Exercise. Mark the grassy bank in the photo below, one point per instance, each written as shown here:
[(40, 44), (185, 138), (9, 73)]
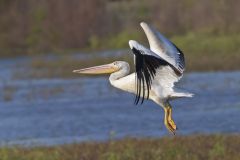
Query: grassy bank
[(210, 53), (213, 147), (203, 52)]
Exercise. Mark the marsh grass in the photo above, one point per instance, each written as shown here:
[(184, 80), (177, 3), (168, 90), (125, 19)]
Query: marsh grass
[(204, 52), (198, 147)]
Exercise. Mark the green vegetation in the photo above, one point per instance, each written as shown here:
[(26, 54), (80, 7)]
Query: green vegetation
[(206, 52), (212, 147), (197, 43), (118, 41)]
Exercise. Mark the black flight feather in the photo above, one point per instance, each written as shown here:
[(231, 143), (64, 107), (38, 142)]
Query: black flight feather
[(145, 66)]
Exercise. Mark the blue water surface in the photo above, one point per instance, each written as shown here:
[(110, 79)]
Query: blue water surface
[(59, 111)]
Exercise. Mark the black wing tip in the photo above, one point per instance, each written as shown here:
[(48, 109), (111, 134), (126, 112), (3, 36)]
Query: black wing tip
[(146, 66), (181, 55)]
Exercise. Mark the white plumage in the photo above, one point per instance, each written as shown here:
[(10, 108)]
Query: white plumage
[(156, 71), (163, 47)]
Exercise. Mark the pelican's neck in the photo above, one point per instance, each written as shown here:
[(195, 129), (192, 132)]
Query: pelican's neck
[(123, 80)]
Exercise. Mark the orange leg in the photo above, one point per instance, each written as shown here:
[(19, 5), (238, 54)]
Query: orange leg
[(168, 121)]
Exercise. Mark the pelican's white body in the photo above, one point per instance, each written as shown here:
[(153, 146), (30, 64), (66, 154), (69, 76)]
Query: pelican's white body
[(162, 88)]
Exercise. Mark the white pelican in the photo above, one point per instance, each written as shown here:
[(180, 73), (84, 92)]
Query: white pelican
[(157, 69)]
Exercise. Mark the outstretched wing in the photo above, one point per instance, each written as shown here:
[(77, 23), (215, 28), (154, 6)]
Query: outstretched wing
[(148, 65), (166, 49)]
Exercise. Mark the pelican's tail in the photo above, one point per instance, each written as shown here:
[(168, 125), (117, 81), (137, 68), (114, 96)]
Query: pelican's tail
[(181, 95)]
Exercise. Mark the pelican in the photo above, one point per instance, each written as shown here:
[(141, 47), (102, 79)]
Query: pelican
[(156, 71)]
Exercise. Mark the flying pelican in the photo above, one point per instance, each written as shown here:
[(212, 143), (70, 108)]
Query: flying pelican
[(156, 71)]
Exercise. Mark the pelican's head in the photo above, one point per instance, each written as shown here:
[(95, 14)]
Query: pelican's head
[(103, 69)]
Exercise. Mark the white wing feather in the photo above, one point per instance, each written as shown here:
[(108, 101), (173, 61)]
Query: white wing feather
[(165, 74), (164, 47), (165, 77), (163, 83), (146, 51)]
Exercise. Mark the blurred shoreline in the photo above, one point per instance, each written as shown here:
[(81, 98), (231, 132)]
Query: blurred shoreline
[(61, 66)]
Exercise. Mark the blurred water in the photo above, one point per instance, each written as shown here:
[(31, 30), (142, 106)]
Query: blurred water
[(57, 111)]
